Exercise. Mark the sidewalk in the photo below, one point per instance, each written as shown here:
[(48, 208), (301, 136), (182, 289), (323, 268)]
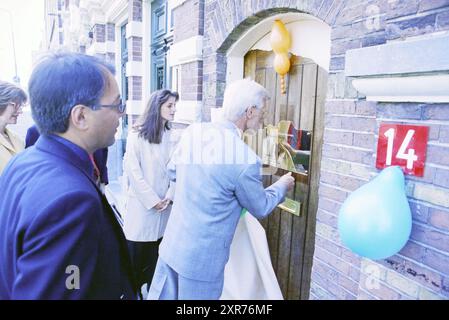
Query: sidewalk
[(115, 195)]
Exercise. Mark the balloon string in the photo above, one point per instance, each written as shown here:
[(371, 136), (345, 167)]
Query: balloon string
[(282, 84)]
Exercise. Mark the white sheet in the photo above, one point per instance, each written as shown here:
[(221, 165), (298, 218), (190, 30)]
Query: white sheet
[(249, 274)]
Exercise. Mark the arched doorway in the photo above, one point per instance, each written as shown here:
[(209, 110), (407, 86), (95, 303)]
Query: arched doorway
[(299, 113)]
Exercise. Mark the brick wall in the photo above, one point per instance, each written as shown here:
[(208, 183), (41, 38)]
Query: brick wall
[(189, 23), (191, 80), (421, 269), (189, 20), (110, 32), (350, 141), (110, 37), (99, 33), (135, 10), (135, 88), (135, 50)]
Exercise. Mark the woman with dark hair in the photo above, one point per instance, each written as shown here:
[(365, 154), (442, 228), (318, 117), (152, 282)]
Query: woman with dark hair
[(149, 193), (12, 99)]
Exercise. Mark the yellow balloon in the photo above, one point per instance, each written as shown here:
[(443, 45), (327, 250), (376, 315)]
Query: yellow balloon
[(281, 63), (280, 38)]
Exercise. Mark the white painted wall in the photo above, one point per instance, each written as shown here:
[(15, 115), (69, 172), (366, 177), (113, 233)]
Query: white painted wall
[(185, 51), (311, 38), (175, 3), (429, 88)]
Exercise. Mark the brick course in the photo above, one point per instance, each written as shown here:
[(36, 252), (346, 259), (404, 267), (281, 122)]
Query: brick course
[(99, 33), (135, 10), (189, 22), (110, 32)]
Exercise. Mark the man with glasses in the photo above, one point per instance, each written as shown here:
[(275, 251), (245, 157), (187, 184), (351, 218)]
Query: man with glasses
[(59, 238), (99, 158)]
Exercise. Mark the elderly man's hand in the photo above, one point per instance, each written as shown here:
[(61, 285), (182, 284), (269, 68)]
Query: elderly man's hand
[(288, 180)]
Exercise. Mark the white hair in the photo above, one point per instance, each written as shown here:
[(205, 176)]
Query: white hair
[(241, 95)]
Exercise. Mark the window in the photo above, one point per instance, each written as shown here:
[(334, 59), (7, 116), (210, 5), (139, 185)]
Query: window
[(159, 46), (160, 77), (160, 21)]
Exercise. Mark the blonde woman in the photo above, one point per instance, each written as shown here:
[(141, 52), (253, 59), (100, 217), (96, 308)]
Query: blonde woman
[(12, 99), (148, 195)]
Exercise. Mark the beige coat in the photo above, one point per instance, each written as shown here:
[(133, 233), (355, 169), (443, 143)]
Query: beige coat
[(147, 184), (7, 151)]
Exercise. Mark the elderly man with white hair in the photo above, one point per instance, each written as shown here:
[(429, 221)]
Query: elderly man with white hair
[(217, 175)]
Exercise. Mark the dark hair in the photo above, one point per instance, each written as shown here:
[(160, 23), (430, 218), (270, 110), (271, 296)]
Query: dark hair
[(150, 125), (10, 93), (61, 81)]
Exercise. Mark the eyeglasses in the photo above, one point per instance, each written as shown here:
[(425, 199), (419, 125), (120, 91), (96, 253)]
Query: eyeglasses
[(17, 106), (120, 106)]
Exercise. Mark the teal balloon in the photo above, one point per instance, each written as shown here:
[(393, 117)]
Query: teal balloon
[(375, 220)]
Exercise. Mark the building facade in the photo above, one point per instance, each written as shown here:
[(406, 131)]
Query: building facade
[(355, 64), (136, 37), (53, 25)]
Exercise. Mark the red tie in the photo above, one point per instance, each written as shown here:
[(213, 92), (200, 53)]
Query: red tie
[(96, 170)]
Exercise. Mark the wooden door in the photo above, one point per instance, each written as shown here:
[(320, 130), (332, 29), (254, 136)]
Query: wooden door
[(291, 237)]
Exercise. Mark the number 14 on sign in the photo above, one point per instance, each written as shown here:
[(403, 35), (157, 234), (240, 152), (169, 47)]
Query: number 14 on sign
[(404, 146)]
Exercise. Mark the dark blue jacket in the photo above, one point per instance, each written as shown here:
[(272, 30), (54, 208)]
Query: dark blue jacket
[(53, 217), (100, 156)]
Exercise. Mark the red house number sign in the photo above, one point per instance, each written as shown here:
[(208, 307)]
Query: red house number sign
[(404, 146)]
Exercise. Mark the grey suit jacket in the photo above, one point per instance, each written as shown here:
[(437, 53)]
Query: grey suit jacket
[(216, 175)]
